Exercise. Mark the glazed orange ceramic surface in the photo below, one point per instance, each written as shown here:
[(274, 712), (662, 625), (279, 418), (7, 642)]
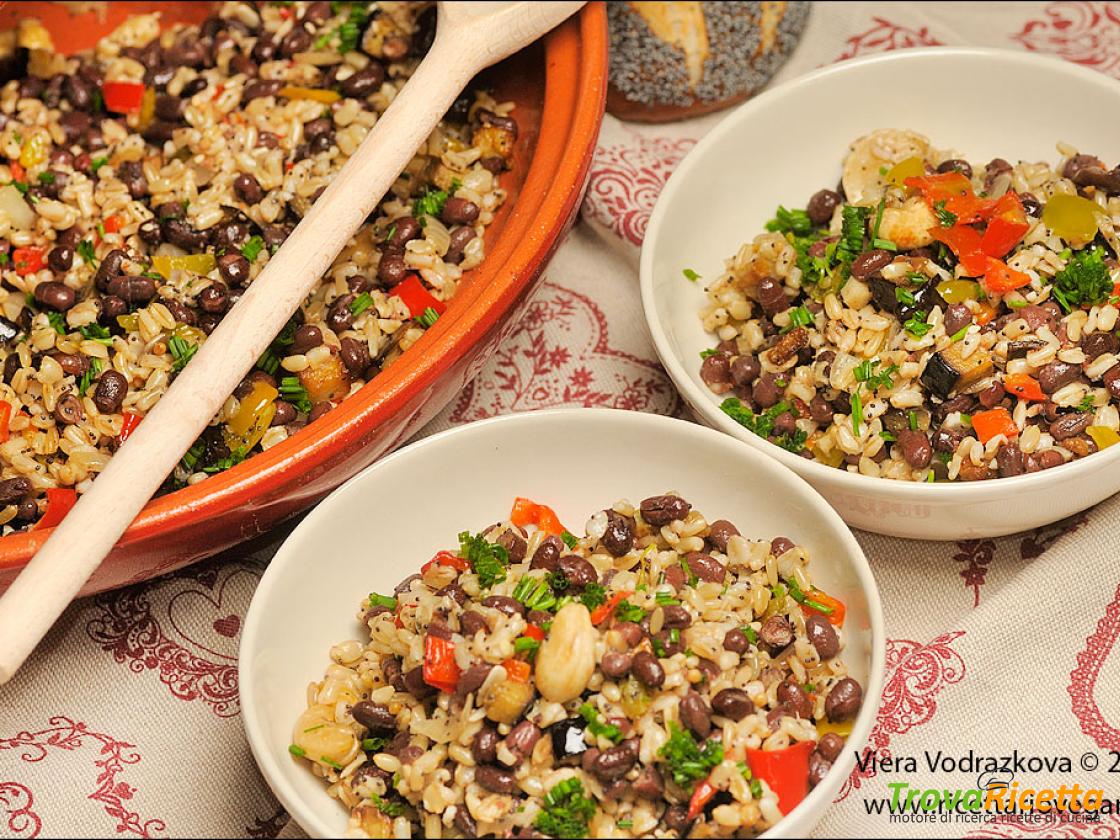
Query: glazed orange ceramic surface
[(559, 86)]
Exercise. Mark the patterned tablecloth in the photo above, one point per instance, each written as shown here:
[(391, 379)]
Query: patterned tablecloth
[(127, 721)]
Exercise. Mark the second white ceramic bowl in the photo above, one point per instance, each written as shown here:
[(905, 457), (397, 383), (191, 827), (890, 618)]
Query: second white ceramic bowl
[(375, 530), (786, 144)]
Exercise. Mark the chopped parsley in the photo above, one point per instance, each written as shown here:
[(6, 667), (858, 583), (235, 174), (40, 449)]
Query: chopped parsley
[(799, 316), (691, 275), (1084, 281), (750, 633), (796, 222), (596, 726), (570, 539), (46, 177), (430, 203), (182, 351), (593, 595), (1086, 403), (360, 304), (944, 217), (58, 321), (85, 251), (904, 296), (350, 31), (625, 611), (487, 560), (916, 324), (711, 351), (566, 810), (292, 390), (763, 424), (96, 332), (687, 760), (386, 601), (252, 249)]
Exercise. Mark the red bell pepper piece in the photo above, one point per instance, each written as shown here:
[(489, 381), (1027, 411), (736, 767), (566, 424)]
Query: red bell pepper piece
[(112, 224), (1000, 278), (446, 558), (951, 191), (702, 796), (27, 260), (440, 668), (517, 670), (122, 97), (838, 609), (128, 424), (965, 242), (416, 298), (534, 632), (1023, 386), (1007, 227), (59, 502), (18, 172), (600, 613), (527, 512), (996, 421), (5, 419), (786, 771)]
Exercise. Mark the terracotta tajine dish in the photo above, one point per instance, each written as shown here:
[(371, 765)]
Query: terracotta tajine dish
[(674, 60), (559, 87)]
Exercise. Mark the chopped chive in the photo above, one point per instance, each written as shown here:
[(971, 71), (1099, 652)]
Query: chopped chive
[(664, 599), (857, 412), (427, 318), (297, 751), (524, 644), (711, 351), (913, 421), (570, 539), (360, 304), (330, 763), (313, 728), (959, 334), (387, 601), (690, 275)]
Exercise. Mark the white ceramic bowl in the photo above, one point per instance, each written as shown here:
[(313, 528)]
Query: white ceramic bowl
[(374, 530), (786, 144)]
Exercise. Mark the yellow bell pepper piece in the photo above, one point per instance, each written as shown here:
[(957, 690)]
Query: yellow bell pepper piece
[(958, 291), (130, 322), (254, 414), (843, 728), (194, 263), (192, 335), (317, 94), (35, 149), (147, 109), (1071, 217), (1103, 436), (912, 167)]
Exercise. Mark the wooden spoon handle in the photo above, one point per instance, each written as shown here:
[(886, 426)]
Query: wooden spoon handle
[(77, 546)]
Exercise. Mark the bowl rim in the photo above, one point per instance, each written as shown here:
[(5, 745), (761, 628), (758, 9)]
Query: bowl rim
[(253, 638), (574, 70), (702, 400)]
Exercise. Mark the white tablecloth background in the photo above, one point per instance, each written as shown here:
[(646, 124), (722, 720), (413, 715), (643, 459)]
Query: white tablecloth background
[(127, 721)]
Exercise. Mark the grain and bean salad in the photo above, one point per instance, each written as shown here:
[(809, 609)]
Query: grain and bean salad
[(660, 675), (144, 185), (929, 320)]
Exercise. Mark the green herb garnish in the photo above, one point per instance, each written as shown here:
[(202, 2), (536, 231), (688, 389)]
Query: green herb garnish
[(430, 203), (360, 304), (852, 227), (959, 334), (386, 601), (665, 599), (297, 751), (944, 217), (292, 390), (96, 332), (427, 318), (182, 351), (525, 644), (799, 316), (46, 177), (487, 560), (687, 761), (916, 325), (570, 539), (593, 595), (691, 275), (85, 251), (566, 810), (763, 424), (1084, 281), (625, 611), (857, 412), (252, 249), (89, 376), (97, 163), (389, 808), (374, 744), (803, 599), (534, 593), (58, 321), (796, 222), (596, 726)]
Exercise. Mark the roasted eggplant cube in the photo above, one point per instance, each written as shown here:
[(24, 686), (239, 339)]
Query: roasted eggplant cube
[(949, 370), (567, 738)]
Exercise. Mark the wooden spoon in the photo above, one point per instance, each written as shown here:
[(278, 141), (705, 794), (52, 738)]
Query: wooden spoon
[(469, 37)]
